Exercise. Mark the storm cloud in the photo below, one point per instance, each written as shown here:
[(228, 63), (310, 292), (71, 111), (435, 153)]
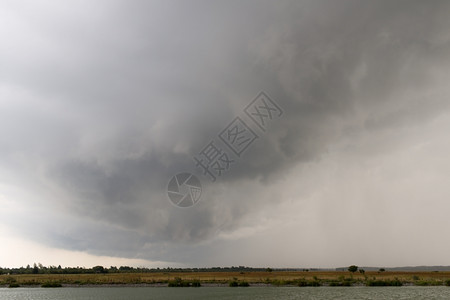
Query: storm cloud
[(101, 103)]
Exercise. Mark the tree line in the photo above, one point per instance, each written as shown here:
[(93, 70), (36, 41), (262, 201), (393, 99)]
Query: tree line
[(40, 269)]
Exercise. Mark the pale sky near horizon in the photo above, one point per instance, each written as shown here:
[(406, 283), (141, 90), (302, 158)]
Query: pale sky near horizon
[(102, 102)]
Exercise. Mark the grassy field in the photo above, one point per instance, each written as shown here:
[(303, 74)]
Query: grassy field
[(273, 278)]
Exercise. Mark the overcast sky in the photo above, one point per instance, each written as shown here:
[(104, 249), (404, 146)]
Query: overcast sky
[(102, 102)]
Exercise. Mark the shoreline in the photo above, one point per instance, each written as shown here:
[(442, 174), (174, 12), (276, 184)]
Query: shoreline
[(202, 286), (227, 279), (208, 285)]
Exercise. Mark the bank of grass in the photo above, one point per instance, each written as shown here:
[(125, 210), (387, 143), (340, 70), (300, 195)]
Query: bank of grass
[(274, 278)]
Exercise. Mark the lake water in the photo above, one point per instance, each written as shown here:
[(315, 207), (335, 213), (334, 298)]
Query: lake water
[(112, 293)]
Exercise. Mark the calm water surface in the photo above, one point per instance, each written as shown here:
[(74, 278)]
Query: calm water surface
[(112, 293)]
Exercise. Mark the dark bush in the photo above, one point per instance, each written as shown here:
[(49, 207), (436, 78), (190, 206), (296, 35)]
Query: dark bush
[(341, 283), (178, 282), (244, 283), (196, 283), (233, 283), (302, 282), (314, 283), (384, 283), (50, 284)]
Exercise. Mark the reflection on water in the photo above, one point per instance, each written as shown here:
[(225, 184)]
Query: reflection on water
[(112, 293)]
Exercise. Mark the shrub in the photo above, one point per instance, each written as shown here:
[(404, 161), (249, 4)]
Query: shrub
[(244, 283), (178, 282), (50, 284), (196, 283), (341, 283), (283, 282), (447, 282), (302, 282), (314, 283), (233, 283), (395, 282), (14, 285)]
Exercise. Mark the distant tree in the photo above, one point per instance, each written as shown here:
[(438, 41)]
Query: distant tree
[(382, 270), (113, 269), (35, 269), (99, 269), (362, 271), (353, 268), (268, 270)]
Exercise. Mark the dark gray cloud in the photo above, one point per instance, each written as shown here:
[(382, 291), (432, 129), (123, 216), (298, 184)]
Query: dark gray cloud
[(101, 103)]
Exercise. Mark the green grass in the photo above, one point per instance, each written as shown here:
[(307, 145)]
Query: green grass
[(428, 282)]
